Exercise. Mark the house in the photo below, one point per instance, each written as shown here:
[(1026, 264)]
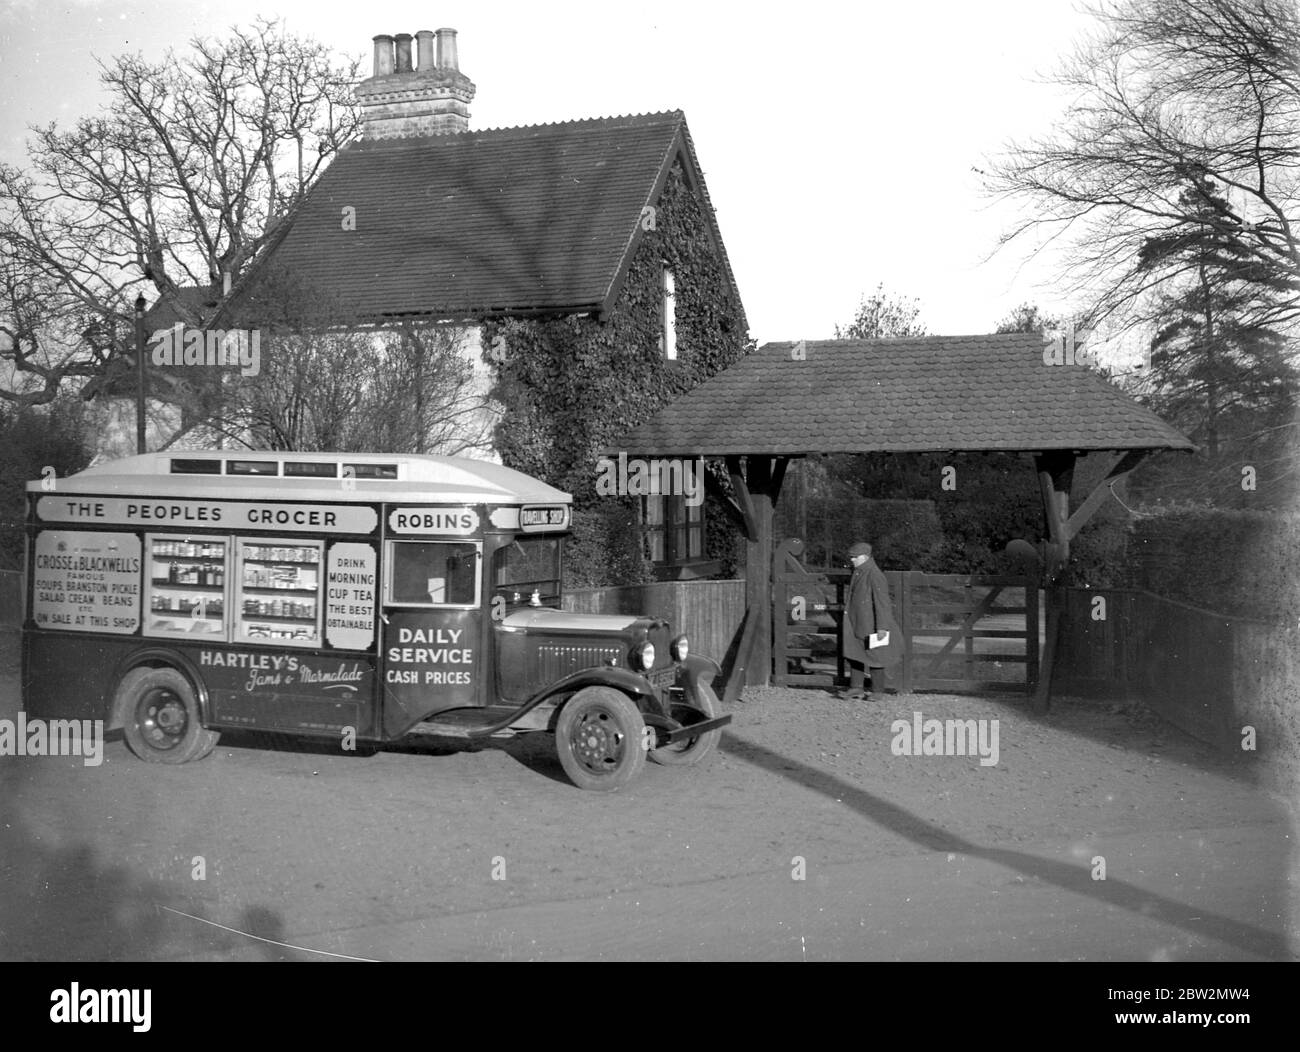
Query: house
[(111, 397), (593, 239)]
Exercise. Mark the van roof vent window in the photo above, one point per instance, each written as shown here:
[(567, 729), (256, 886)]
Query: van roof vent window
[(252, 467), (310, 469), (196, 467), (370, 471)]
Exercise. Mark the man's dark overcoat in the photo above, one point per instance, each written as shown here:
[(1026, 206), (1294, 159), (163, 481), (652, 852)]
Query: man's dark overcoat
[(866, 611)]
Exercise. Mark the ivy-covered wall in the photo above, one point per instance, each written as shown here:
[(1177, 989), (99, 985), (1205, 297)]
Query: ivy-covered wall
[(569, 386)]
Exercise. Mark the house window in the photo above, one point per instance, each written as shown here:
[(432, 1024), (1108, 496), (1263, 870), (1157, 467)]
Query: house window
[(673, 529), (668, 339)]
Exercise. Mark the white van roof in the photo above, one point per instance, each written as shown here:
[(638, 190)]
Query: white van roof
[(261, 475)]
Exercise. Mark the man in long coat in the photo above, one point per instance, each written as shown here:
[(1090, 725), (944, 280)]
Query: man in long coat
[(867, 613)]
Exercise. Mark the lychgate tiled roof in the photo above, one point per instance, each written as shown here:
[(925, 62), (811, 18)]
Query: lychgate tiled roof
[(929, 394), (506, 221)]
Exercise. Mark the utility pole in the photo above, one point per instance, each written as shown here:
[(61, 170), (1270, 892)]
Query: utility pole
[(139, 374)]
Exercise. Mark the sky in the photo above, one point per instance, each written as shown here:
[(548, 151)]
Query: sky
[(839, 140)]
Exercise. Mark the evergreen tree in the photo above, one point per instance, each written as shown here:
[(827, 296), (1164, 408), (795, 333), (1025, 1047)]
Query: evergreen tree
[(1218, 372)]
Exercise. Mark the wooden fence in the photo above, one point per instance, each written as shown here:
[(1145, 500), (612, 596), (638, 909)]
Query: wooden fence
[(961, 633), (1208, 673), (709, 612)]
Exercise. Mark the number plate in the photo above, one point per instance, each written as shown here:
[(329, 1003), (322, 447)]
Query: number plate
[(663, 677)]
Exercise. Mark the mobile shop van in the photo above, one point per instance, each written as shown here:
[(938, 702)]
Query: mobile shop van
[(358, 597)]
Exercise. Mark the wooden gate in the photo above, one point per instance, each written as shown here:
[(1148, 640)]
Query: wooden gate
[(962, 633)]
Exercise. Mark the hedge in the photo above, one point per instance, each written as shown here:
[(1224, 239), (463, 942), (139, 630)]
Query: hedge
[(1234, 562)]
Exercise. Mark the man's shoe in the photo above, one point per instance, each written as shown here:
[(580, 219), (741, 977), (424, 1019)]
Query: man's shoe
[(854, 695)]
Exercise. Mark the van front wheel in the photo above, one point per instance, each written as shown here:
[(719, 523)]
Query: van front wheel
[(160, 717), (692, 750), (598, 737)]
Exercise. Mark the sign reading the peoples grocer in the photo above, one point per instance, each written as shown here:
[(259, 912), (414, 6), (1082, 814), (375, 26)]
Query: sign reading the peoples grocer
[(145, 511)]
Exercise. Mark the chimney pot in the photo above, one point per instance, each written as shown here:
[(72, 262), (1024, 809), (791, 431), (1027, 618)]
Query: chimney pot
[(424, 46), (383, 55), (447, 59), (403, 52), (398, 102)]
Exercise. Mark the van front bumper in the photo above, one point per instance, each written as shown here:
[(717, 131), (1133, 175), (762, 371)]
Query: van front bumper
[(692, 730)]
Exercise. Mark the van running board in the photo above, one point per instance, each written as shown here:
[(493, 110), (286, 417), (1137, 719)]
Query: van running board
[(464, 724)]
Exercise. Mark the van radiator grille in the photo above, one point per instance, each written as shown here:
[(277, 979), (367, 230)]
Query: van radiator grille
[(556, 661)]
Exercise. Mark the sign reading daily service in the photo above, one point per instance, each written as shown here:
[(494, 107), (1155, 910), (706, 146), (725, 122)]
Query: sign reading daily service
[(87, 582), (161, 513)]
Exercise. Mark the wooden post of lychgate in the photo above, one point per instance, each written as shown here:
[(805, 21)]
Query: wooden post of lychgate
[(780, 629), (1055, 475), (757, 487), (905, 622), (758, 571), (1031, 634)]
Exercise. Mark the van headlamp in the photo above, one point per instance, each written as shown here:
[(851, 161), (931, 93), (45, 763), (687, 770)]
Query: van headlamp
[(643, 656), (679, 648)]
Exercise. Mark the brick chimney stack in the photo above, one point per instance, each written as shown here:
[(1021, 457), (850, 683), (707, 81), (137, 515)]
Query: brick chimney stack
[(428, 98)]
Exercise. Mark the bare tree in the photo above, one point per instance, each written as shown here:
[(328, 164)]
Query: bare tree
[(325, 379), (883, 314), (426, 396), (181, 181), (41, 329), (410, 390), (1185, 120), (1028, 318)]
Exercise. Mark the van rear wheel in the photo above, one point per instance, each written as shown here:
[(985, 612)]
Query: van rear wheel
[(160, 717), (599, 739)]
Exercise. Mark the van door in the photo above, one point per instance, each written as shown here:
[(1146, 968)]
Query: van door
[(432, 624)]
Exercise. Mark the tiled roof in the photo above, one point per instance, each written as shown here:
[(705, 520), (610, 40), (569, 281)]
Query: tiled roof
[(929, 394), (506, 221), (119, 380), (162, 315)]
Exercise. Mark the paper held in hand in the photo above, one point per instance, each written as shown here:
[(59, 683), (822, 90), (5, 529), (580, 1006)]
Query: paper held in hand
[(877, 639)]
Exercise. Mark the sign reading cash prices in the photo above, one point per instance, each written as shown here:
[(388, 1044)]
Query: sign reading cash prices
[(534, 517)]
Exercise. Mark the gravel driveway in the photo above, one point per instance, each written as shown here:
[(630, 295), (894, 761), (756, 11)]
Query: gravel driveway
[(431, 853)]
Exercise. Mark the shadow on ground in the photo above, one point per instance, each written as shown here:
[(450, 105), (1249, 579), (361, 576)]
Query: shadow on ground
[(877, 809), (65, 902)]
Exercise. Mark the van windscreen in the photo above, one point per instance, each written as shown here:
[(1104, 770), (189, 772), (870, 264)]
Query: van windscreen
[(529, 564)]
